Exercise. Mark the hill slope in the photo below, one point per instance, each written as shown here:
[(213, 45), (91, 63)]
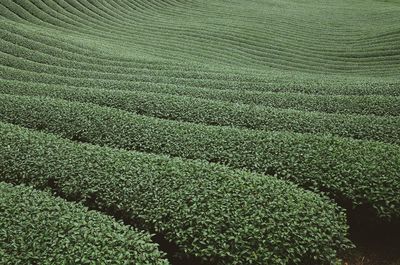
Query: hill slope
[(302, 91)]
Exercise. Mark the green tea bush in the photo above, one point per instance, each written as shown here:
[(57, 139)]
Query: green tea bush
[(207, 210), (361, 173), (37, 228)]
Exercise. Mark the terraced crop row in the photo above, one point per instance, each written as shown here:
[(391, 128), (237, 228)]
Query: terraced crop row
[(38, 228), (362, 105), (209, 211), (307, 86), (385, 129), (16, 62), (361, 173)]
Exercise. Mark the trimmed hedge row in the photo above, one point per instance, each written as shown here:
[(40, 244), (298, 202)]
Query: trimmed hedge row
[(207, 210), (363, 173), (10, 73), (154, 33), (384, 129), (37, 228), (363, 105)]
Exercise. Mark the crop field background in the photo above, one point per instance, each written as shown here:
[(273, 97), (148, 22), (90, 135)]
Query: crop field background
[(200, 132)]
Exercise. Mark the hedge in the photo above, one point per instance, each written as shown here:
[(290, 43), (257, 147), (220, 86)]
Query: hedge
[(385, 129), (361, 173), (209, 211), (37, 228)]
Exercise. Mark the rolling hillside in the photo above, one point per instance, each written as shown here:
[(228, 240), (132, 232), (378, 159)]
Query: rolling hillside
[(234, 132)]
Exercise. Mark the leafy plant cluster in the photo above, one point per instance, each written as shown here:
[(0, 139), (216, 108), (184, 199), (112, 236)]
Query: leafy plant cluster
[(38, 228), (207, 210), (359, 173)]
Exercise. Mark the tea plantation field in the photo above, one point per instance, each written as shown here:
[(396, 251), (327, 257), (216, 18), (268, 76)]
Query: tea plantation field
[(200, 132)]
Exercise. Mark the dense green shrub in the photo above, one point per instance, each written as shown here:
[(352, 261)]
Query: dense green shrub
[(385, 129), (208, 210), (37, 228), (361, 173)]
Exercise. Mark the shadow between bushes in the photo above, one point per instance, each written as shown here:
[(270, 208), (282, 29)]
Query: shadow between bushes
[(377, 241)]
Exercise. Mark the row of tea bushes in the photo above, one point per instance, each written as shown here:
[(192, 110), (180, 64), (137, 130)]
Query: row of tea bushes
[(361, 173), (37, 228), (182, 108), (209, 211)]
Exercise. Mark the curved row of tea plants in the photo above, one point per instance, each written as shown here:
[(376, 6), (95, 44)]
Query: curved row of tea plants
[(362, 173), (182, 108), (37, 228), (207, 210), (362, 105), (149, 83)]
